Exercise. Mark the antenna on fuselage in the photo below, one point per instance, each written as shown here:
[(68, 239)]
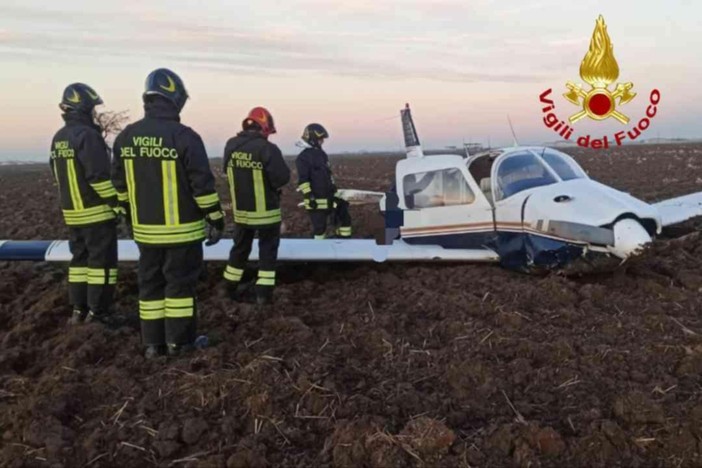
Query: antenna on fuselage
[(514, 135), (412, 145)]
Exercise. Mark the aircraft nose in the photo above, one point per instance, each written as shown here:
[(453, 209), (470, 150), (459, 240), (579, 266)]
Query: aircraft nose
[(629, 238)]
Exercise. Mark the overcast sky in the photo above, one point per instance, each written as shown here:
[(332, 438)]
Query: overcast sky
[(351, 65)]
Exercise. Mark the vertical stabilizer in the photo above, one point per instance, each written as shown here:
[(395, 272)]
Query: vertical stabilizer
[(412, 145)]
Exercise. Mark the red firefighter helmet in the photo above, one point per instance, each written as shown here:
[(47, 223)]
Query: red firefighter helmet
[(260, 119)]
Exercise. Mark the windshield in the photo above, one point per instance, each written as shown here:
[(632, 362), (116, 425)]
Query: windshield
[(562, 165), (521, 171)]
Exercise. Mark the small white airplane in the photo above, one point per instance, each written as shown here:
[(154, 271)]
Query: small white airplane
[(526, 207)]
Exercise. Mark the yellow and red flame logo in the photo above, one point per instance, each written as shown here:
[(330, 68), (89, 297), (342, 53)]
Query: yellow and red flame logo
[(599, 69)]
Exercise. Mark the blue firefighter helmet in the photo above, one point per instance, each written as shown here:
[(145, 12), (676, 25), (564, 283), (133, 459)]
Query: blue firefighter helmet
[(314, 134), (166, 83), (79, 97)]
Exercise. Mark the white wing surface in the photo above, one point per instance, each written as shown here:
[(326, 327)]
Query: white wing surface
[(310, 250), (677, 210)]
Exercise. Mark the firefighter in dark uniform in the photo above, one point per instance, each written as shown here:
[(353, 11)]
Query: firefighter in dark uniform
[(162, 174), (80, 162), (256, 173), (316, 182)]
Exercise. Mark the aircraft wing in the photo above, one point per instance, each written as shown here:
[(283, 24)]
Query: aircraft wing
[(677, 210), (357, 197), (360, 197), (291, 250)]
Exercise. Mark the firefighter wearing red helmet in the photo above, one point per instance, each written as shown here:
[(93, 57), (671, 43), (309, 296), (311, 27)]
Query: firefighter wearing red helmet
[(256, 173)]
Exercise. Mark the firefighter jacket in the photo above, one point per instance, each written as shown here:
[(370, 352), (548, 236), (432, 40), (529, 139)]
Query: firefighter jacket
[(80, 162), (161, 170), (315, 179), (256, 172)]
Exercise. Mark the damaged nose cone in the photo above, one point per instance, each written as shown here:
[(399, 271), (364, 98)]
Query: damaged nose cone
[(629, 238)]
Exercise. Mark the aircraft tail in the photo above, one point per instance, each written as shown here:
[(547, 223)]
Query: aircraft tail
[(414, 148)]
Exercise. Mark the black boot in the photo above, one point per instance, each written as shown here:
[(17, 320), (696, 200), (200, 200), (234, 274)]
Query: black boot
[(264, 295), (175, 350), (153, 351), (96, 317), (241, 292), (77, 317), (231, 288)]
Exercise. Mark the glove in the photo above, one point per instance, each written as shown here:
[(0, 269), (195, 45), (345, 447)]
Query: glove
[(215, 227), (312, 203), (124, 224), (120, 213), (124, 220)]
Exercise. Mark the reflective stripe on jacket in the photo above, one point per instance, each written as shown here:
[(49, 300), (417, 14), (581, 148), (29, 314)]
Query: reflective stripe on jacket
[(80, 163), (315, 179), (161, 169), (256, 171)]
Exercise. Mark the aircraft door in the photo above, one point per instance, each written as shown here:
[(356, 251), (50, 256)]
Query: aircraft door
[(513, 175)]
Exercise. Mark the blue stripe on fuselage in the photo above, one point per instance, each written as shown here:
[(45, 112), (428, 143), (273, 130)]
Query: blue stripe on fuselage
[(24, 250), (517, 250)]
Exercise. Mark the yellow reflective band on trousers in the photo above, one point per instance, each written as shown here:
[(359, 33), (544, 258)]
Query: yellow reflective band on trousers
[(73, 185), (322, 204), (157, 234), (305, 187), (207, 201), (97, 276), (344, 231), (77, 274), (266, 278), (320, 236), (233, 274), (122, 196), (131, 189), (180, 308), (152, 310), (232, 194), (170, 193), (91, 215), (104, 189)]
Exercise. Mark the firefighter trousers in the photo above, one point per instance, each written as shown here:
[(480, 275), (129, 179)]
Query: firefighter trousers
[(167, 281), (92, 273), (268, 242), (341, 219)]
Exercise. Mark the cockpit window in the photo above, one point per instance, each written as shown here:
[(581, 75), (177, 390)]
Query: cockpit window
[(446, 187), (562, 165), (521, 171)]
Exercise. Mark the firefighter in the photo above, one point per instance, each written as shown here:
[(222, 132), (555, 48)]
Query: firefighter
[(256, 173), (80, 162), (316, 182), (161, 172)]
